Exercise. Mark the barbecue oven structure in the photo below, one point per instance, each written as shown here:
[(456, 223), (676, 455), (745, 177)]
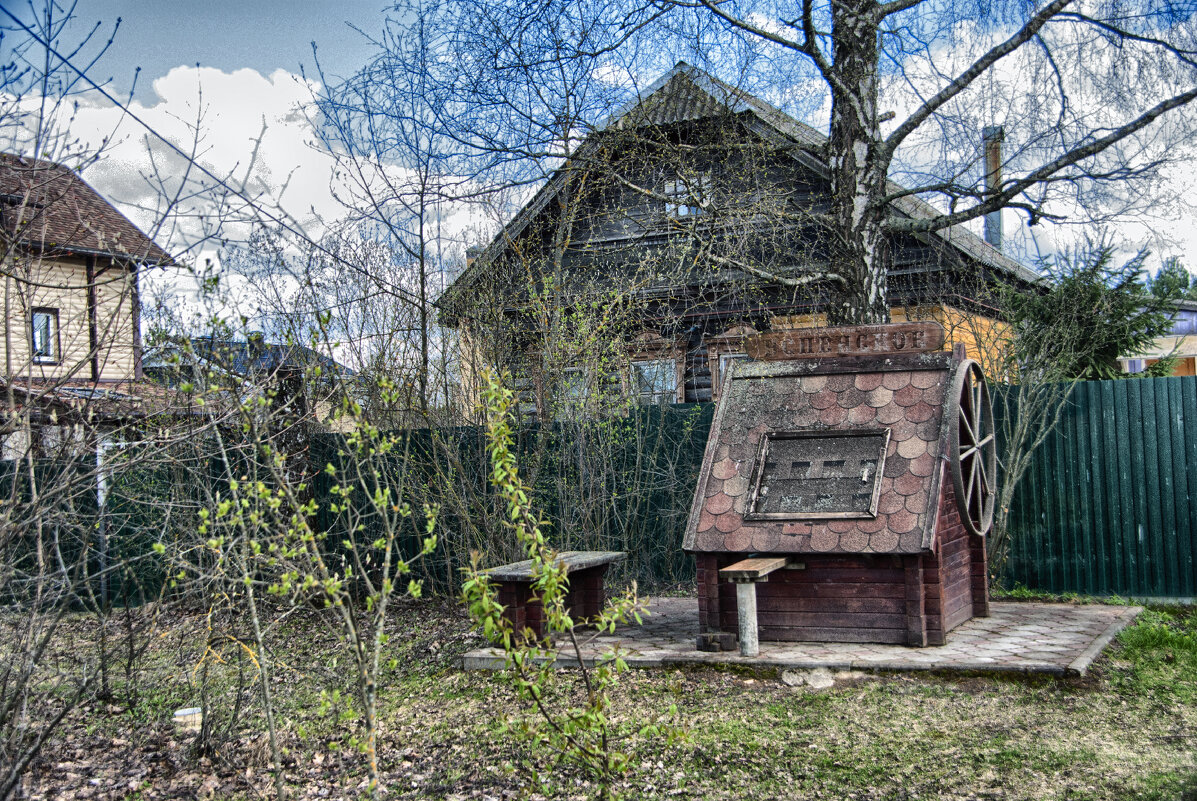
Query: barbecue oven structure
[(865, 457)]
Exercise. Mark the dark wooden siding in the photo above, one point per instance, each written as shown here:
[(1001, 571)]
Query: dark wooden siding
[(947, 573), (832, 599)]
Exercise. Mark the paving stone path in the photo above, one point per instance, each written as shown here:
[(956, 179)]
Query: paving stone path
[(1059, 639)]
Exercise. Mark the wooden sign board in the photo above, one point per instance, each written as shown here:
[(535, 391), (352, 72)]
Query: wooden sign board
[(851, 340)]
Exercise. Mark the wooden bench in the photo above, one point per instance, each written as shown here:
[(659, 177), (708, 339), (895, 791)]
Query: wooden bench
[(586, 596), (746, 574)]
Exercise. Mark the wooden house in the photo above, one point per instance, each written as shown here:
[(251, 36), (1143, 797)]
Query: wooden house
[(697, 204), (1180, 343), (72, 329)]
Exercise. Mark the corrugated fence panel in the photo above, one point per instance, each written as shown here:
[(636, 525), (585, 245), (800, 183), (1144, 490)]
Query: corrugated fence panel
[(1109, 505)]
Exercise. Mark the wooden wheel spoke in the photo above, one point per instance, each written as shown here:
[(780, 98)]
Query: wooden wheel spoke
[(974, 444), (967, 436), (986, 479), (968, 485), (979, 419)]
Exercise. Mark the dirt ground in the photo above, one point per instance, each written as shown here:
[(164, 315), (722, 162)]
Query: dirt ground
[(1126, 731)]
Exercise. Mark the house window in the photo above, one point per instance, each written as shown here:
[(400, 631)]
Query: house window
[(45, 336), (525, 396), (655, 381), (573, 386), (685, 196), (725, 363)]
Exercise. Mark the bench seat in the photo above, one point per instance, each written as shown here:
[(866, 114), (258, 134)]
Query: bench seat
[(746, 574)]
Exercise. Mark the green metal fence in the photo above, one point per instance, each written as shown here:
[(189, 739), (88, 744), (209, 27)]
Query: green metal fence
[(1109, 505)]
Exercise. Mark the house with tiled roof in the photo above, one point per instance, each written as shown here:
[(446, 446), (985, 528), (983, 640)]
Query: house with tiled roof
[(698, 203), (71, 262), (71, 266)]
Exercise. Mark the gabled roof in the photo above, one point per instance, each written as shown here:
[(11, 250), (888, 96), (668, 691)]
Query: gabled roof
[(50, 209), (255, 356), (687, 93), (903, 400)]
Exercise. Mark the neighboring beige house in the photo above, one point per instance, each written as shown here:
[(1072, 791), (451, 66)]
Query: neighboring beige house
[(1181, 343), (70, 263), (72, 335)]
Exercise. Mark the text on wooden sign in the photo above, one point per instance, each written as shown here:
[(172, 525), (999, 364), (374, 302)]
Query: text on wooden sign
[(855, 340)]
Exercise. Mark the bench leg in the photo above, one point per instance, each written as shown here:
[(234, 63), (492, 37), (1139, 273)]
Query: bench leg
[(746, 612)]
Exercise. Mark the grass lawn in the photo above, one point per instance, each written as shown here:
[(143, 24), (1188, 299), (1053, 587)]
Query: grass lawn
[(1126, 731)]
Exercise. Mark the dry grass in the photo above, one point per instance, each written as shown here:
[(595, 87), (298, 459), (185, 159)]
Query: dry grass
[(1126, 731)]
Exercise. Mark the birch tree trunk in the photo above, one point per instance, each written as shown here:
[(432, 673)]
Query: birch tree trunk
[(858, 171)]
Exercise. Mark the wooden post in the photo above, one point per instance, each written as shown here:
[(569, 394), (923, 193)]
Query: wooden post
[(745, 574), (916, 613), (746, 612)]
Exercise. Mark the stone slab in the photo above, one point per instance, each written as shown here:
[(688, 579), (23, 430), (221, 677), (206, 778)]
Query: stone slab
[(1054, 639)]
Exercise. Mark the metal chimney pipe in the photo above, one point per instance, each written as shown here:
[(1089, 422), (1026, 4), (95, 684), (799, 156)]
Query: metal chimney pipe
[(992, 137)]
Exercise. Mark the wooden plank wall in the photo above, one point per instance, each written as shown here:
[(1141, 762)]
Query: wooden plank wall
[(947, 573), (1109, 506), (833, 599)]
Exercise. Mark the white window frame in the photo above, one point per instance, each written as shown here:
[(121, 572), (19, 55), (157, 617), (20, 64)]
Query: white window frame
[(663, 367), (682, 194), (725, 361)]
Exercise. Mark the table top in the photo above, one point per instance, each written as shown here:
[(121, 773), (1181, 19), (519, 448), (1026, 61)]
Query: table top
[(572, 560)]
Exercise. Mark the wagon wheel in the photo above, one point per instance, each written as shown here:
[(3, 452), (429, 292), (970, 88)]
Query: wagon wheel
[(973, 450)]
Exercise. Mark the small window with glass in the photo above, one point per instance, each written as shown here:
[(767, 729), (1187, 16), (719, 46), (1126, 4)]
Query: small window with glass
[(655, 380), (574, 388), (686, 196), (45, 336), (525, 396), (725, 364)]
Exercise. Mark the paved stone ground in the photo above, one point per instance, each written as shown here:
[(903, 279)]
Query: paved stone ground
[(1059, 639)]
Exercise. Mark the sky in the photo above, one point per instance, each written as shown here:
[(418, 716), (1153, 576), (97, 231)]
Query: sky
[(262, 35), (240, 71)]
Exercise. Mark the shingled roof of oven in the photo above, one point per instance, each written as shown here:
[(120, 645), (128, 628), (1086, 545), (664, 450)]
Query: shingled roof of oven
[(907, 396)]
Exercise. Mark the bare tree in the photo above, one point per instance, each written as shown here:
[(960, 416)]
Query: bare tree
[(908, 88)]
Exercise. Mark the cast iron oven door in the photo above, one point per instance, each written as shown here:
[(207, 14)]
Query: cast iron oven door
[(816, 474)]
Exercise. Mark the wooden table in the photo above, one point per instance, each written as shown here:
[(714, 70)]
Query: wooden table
[(585, 598)]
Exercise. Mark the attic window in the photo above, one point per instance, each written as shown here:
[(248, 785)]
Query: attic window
[(686, 194), (818, 475)]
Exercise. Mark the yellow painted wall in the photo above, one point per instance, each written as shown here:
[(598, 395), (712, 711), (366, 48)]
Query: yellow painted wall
[(62, 285), (984, 338)]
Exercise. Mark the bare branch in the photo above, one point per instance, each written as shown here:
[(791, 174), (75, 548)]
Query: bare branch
[(965, 79), (1045, 173)]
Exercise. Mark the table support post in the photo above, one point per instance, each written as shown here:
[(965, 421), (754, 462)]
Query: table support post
[(746, 612)]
